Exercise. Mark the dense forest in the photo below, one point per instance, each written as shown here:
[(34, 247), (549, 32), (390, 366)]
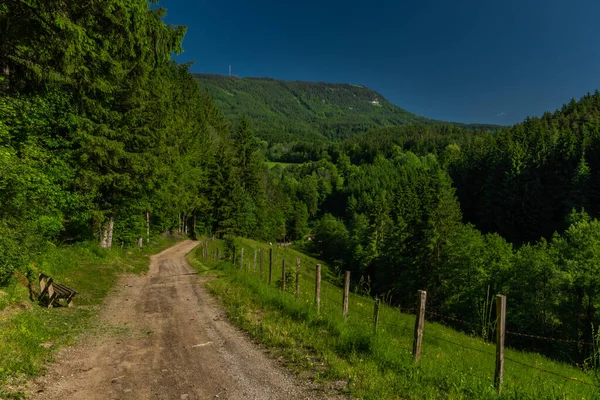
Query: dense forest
[(104, 137)]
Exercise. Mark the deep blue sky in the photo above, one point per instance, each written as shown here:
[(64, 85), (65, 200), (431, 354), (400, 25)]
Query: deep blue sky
[(471, 61)]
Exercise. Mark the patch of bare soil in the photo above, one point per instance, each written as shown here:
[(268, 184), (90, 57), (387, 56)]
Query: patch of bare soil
[(163, 336)]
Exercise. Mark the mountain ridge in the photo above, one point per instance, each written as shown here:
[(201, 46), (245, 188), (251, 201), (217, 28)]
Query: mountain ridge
[(291, 110)]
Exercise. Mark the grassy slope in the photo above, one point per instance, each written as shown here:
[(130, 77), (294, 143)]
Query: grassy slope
[(454, 365), (272, 164), (25, 326)]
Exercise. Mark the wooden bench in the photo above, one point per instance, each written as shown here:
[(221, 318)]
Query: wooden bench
[(54, 291)]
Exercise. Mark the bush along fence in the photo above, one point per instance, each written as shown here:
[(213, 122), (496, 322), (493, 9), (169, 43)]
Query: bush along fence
[(414, 330)]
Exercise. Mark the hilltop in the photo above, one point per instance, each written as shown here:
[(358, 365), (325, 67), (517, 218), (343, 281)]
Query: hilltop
[(286, 110)]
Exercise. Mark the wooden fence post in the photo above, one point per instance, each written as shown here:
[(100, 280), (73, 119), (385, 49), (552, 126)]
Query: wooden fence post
[(376, 315), (283, 275), (318, 289), (500, 334), (254, 260), (346, 294), (298, 278), (242, 259), (261, 261), (270, 265), (419, 322)]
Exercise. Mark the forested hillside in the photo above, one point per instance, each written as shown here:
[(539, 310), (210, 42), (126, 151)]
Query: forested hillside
[(292, 111)]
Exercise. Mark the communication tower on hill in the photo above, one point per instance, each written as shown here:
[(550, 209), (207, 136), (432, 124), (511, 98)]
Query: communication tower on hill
[(229, 70)]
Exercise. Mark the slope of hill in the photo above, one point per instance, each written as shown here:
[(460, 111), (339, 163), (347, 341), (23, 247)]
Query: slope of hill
[(285, 110)]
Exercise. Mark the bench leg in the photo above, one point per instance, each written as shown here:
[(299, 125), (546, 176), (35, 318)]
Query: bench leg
[(70, 301), (42, 287), (51, 300)]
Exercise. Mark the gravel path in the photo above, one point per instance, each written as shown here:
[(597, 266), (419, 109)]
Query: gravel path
[(162, 336)]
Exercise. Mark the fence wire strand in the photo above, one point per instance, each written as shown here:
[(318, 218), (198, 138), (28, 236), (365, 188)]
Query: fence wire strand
[(452, 318), (551, 373), (549, 338), (426, 334)]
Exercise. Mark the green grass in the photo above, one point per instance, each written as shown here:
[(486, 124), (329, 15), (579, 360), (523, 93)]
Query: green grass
[(453, 365), (283, 165), (24, 326)]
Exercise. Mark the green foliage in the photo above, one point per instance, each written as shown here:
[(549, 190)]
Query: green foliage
[(100, 130), (331, 239)]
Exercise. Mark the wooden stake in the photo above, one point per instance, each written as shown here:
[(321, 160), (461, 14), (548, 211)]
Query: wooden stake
[(376, 315), (147, 226), (318, 289), (261, 261), (500, 334), (242, 259), (298, 278), (283, 276), (270, 265), (255, 260), (419, 322), (346, 294)]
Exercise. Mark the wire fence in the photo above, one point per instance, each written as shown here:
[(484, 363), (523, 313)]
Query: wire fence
[(549, 338), (401, 323)]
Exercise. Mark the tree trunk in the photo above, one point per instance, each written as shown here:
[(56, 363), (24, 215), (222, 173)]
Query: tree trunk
[(111, 225), (147, 226), (194, 231), (6, 73), (104, 239), (140, 242)]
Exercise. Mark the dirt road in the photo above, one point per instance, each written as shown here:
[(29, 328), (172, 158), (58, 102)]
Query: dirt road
[(164, 337)]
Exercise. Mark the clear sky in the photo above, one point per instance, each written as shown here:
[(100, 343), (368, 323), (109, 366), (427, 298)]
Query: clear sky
[(469, 61)]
